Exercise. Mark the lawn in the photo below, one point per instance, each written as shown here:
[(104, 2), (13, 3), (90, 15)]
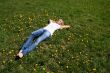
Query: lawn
[(83, 48)]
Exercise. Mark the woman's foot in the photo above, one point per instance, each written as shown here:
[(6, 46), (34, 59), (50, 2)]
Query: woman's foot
[(19, 55)]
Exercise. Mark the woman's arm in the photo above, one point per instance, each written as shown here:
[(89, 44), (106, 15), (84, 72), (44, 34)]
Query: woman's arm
[(65, 26)]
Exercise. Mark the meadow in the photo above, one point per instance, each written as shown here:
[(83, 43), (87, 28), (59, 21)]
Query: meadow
[(83, 48)]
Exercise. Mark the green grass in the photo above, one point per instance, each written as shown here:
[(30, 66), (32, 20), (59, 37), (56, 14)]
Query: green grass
[(84, 48)]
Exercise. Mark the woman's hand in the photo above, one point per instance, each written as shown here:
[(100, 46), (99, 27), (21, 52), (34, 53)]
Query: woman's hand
[(65, 26)]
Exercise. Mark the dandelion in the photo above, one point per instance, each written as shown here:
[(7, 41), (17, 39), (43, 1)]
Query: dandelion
[(87, 34), (50, 45), (20, 66), (86, 54), (3, 50), (34, 69), (70, 36), (36, 64), (10, 52), (89, 60), (82, 40), (11, 60), (30, 26), (46, 14), (14, 55), (43, 68), (4, 62), (56, 50), (72, 57), (29, 18), (77, 59), (68, 39), (18, 35), (66, 66), (87, 41), (62, 46), (52, 55), (21, 16), (83, 62), (94, 69), (77, 56)]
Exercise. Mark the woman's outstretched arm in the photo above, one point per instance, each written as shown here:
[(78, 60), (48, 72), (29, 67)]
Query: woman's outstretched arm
[(65, 26)]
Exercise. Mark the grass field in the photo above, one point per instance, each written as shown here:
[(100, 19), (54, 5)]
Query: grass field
[(84, 48)]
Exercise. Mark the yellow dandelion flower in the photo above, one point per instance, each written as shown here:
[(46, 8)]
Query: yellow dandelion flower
[(30, 26), (82, 40), (50, 45), (43, 68), (68, 39), (34, 69), (46, 14), (94, 69), (10, 52), (86, 54), (3, 50), (87, 34), (87, 41), (11, 60), (66, 66), (21, 16), (29, 18), (56, 50), (4, 62), (70, 36), (36, 64), (52, 55)]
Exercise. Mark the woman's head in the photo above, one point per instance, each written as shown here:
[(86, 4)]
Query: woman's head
[(60, 22)]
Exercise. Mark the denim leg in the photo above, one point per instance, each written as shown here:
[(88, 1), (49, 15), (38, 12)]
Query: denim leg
[(38, 32), (28, 42), (44, 36), (32, 36)]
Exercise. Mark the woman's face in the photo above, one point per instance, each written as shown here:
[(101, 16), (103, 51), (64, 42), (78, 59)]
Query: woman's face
[(60, 22)]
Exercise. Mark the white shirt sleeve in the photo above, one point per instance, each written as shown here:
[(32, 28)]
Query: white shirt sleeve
[(50, 21)]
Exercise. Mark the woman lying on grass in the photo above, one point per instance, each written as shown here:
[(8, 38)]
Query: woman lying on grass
[(42, 34)]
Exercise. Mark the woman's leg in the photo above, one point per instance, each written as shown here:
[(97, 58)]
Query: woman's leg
[(28, 42), (44, 36), (30, 39)]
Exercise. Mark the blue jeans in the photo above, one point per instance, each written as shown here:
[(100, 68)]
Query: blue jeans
[(29, 45)]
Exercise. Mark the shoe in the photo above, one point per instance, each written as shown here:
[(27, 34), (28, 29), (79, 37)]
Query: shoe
[(17, 58)]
